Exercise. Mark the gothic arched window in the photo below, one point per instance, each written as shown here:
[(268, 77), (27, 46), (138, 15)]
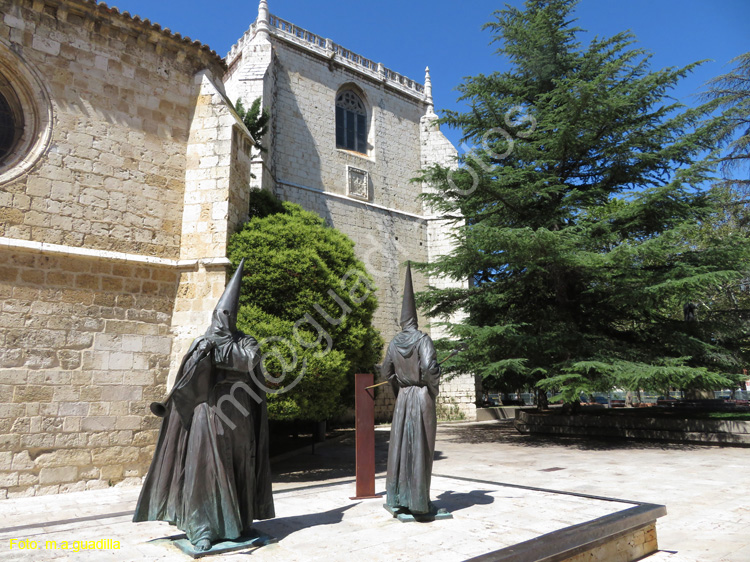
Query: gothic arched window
[(351, 122)]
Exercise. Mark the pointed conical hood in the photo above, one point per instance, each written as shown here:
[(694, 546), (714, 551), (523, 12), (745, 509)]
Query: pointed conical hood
[(408, 307), (225, 314)]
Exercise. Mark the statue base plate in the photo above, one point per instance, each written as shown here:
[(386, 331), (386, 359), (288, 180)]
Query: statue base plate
[(223, 547), (406, 516)]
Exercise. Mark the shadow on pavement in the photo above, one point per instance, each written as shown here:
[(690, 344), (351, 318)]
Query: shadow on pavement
[(330, 461), (455, 501), (281, 527)]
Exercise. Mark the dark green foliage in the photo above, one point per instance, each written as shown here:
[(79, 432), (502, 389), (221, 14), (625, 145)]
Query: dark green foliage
[(583, 217), (263, 203), (731, 93), (293, 263), (255, 119)]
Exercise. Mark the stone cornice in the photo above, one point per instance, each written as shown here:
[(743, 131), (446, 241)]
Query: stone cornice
[(14, 244), (359, 202), (101, 14)]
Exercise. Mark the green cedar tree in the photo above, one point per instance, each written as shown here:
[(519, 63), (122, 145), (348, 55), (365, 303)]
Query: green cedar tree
[(578, 209)]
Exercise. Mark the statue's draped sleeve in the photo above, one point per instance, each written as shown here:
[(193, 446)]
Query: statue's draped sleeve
[(388, 371), (195, 380), (428, 365)]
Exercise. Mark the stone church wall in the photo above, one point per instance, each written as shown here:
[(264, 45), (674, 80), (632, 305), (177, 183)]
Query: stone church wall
[(305, 136), (299, 76), (310, 170), (90, 241), (122, 99), (85, 349), (217, 180), (377, 235)]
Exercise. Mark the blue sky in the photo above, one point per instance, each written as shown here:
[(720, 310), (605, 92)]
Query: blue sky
[(446, 35)]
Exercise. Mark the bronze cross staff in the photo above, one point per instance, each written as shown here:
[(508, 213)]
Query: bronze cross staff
[(456, 351)]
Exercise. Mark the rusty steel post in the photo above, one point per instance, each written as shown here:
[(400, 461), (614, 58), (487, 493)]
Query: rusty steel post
[(365, 436)]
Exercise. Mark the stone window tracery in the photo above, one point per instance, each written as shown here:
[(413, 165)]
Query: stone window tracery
[(11, 119), (351, 122), (25, 115)]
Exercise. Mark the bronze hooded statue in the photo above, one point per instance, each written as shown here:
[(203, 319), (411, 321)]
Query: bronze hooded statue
[(411, 367), (210, 475)]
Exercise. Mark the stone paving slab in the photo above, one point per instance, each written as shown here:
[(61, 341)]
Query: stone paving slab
[(315, 522), (703, 487)]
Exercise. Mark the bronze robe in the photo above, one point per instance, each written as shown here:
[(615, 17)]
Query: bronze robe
[(207, 478), (411, 366)]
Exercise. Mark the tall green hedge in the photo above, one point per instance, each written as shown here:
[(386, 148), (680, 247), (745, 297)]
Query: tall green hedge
[(295, 269)]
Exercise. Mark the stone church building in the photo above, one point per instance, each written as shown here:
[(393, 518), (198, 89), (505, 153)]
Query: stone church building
[(124, 169)]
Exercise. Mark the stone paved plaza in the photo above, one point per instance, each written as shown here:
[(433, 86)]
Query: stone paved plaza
[(702, 487)]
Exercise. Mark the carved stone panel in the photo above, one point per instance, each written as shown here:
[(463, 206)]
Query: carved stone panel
[(358, 183)]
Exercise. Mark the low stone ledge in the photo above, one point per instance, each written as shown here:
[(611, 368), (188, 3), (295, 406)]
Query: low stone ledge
[(625, 535), (497, 413), (676, 429)]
